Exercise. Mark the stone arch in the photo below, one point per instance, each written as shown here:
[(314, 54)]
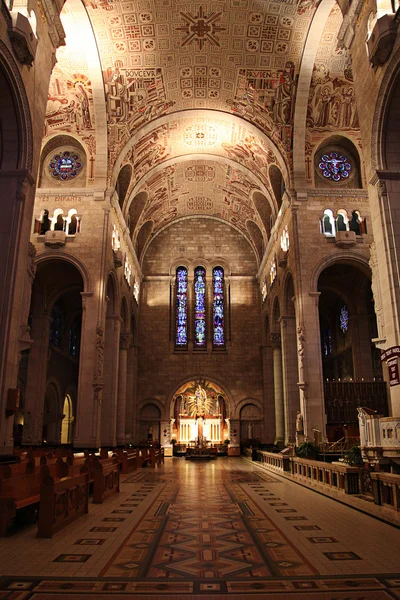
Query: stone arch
[(122, 185), (14, 104), (150, 416), (124, 313), (303, 89), (64, 256), (58, 143), (340, 144), (288, 294), (136, 207), (52, 410), (143, 238), (264, 210), (213, 381), (277, 183), (112, 293), (276, 313), (257, 238), (338, 257), (385, 95)]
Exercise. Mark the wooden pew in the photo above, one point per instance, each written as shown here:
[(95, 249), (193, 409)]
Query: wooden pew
[(106, 479), (17, 469), (61, 501), (16, 493), (129, 460)]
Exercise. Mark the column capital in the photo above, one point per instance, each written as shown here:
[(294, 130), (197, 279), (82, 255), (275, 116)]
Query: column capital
[(275, 339)]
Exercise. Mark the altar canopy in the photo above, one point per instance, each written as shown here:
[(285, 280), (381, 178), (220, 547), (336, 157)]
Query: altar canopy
[(200, 414)]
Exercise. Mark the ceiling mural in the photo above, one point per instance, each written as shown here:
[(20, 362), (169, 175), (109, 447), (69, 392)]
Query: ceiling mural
[(239, 56), (198, 188), (200, 100), (216, 135), (332, 103), (70, 97)]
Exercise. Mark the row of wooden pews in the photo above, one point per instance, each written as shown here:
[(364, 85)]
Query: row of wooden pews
[(57, 484), (137, 458)]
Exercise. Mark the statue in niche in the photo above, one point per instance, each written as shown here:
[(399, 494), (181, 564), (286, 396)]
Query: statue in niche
[(299, 423), (59, 225), (45, 225), (250, 430), (150, 433)]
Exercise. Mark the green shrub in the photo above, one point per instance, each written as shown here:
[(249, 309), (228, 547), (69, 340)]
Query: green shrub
[(353, 457), (307, 450)]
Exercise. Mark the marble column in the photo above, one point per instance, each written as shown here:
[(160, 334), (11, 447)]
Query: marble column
[(36, 380), (111, 366), (17, 191), (290, 374), (268, 394), (312, 401), (90, 383), (124, 344), (278, 389)]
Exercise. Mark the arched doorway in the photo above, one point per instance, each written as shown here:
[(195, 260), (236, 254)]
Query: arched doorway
[(351, 367), (67, 422), (250, 424), (200, 414), (150, 417)]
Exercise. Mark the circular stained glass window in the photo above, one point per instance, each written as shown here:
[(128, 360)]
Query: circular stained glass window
[(335, 166), (65, 165)]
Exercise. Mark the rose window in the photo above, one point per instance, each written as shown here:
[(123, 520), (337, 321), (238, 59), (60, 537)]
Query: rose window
[(335, 166), (65, 165)]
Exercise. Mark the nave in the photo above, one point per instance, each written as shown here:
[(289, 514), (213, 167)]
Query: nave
[(222, 529)]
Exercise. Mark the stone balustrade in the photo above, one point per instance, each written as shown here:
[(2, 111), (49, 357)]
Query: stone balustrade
[(314, 473), (386, 490)]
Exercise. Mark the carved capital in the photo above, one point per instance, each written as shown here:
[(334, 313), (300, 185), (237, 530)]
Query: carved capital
[(125, 341), (275, 339)]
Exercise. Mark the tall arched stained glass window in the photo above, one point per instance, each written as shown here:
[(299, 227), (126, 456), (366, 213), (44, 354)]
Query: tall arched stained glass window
[(200, 307), (181, 307), (218, 307)]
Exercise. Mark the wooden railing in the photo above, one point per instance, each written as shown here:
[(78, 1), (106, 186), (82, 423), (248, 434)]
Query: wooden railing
[(342, 398)]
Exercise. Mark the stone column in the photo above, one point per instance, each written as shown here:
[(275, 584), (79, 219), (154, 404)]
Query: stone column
[(290, 373), (384, 193), (111, 362), (312, 402), (268, 393), (278, 389), (361, 346), (124, 343), (131, 403), (36, 380), (17, 197), (90, 384)]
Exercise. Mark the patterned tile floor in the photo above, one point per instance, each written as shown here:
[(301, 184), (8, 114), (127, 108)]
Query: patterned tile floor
[(222, 529)]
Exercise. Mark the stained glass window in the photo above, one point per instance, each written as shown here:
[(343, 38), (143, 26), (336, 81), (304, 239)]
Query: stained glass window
[(218, 307), (335, 166), (73, 338), (181, 307), (65, 165), (344, 319), (327, 346), (55, 327), (200, 307)]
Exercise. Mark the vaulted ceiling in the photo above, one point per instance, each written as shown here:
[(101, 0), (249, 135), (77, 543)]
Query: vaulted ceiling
[(200, 100)]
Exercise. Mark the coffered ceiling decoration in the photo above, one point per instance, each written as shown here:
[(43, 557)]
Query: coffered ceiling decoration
[(199, 98)]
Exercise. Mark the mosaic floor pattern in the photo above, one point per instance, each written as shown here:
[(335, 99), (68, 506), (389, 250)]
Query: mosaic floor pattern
[(223, 529)]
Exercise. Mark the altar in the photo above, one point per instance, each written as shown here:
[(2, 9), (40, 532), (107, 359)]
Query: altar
[(200, 416)]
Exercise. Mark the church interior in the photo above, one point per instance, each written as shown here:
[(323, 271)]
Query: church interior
[(200, 299)]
